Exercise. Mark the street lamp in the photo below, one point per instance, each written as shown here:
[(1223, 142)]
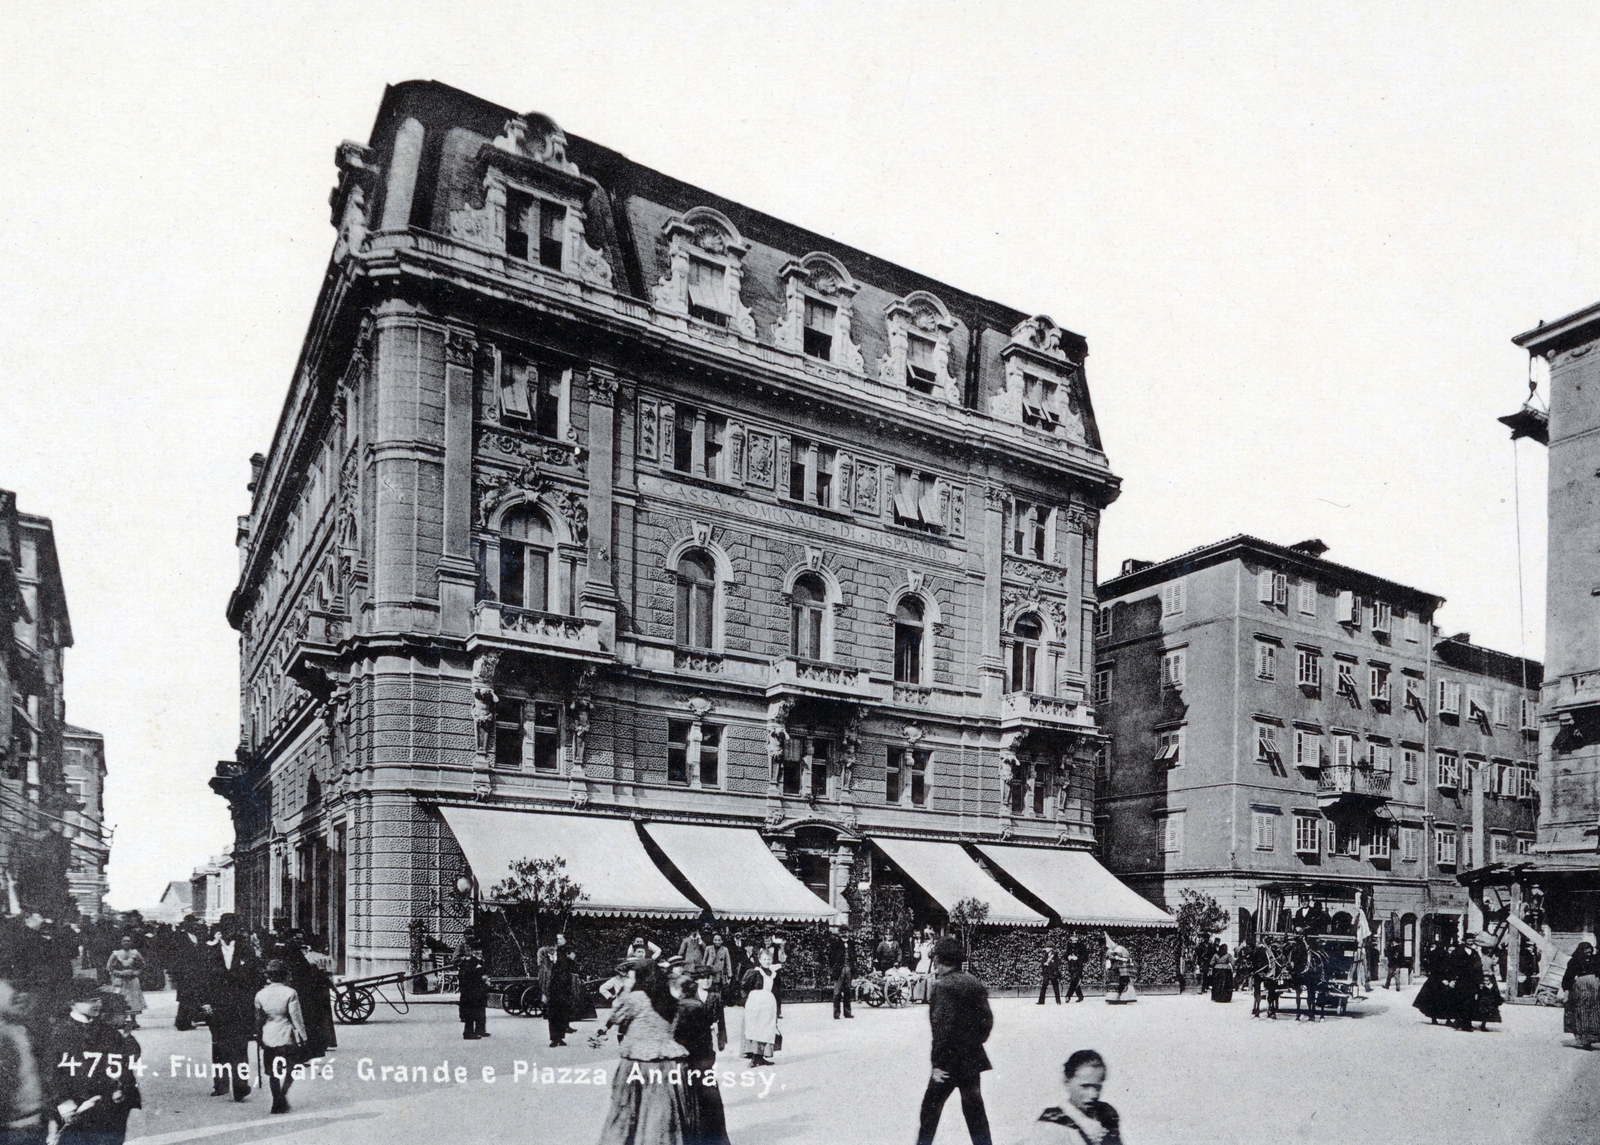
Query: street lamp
[(467, 888)]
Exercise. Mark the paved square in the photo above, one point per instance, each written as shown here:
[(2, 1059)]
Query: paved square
[(1182, 1069)]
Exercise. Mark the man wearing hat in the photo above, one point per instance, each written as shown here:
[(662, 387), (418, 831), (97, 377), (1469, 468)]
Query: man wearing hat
[(87, 1102), (958, 1011), (841, 967), (229, 982)]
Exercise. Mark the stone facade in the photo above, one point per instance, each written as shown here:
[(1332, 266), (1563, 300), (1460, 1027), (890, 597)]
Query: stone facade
[(85, 773), (38, 817), (1276, 719), (596, 493)]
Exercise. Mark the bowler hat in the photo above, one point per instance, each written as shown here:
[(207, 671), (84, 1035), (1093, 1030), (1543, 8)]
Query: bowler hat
[(84, 990)]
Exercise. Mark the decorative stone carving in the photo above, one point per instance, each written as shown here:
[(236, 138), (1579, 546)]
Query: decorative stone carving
[(923, 313), (1036, 349), (349, 199), (708, 236), (994, 498), (735, 452), (852, 744), (485, 666), (762, 459), (529, 480), (602, 387), (647, 429), (912, 733), (777, 733), (823, 278), (956, 512), (708, 663), (866, 498)]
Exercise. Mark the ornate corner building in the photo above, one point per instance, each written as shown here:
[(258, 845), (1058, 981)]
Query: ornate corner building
[(607, 513)]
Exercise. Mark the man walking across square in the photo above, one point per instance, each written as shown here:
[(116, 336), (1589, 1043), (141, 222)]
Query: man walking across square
[(1050, 974), (1075, 970), (958, 1011), (842, 967)]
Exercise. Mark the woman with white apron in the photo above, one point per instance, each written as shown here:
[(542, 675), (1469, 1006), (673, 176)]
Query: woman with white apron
[(760, 1011)]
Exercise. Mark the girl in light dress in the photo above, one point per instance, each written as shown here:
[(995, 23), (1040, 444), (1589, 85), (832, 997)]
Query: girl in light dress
[(124, 966), (760, 1010)]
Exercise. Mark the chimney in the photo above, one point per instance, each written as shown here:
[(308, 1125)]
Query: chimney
[(1132, 566), (1313, 547), (258, 462)]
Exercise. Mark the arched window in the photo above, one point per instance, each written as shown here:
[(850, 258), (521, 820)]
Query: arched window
[(908, 641), (697, 587), (1024, 653), (805, 626), (526, 545)]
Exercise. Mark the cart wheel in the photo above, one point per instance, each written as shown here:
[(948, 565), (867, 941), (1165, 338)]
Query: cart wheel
[(354, 1006), (874, 999), (511, 1001), (532, 1004)]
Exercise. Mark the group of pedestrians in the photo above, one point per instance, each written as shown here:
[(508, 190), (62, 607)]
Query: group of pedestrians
[(1051, 963), (1460, 986)]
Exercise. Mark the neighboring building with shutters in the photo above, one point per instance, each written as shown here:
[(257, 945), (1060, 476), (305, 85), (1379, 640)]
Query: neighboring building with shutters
[(1279, 720), (603, 509), (84, 770)]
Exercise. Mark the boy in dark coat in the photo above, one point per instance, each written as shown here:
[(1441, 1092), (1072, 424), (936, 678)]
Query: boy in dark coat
[(958, 1011)]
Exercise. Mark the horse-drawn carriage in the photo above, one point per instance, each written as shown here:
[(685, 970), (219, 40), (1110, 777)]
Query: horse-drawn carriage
[(1306, 942)]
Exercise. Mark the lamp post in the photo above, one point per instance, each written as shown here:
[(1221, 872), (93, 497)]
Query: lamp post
[(467, 887)]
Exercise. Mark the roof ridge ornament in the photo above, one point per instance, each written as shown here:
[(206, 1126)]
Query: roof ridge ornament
[(535, 136)]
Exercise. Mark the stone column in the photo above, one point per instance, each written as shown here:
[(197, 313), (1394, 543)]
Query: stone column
[(599, 598), (457, 573), (991, 666)]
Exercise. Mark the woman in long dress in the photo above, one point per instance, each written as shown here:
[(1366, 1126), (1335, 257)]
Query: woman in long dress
[(760, 1010), (1581, 984), (1486, 1002), (1222, 974), (650, 1102), (1434, 997), (124, 966)]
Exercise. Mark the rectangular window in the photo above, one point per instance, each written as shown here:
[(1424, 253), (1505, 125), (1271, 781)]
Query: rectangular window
[(1266, 660), (546, 737), (825, 469), (1466, 850), (1345, 840), (1530, 716), (1266, 828), (1172, 598), (1343, 750), (1414, 697), (1378, 842), (1267, 745), (1478, 704), (919, 779), (1039, 403), (821, 320), (1413, 627), (1348, 609), (516, 379), (1444, 844), (793, 764), (1378, 684), (916, 500), (710, 755), (920, 374), (1102, 685), (1102, 620), (1172, 834), (518, 207), (1307, 749), (545, 388), (686, 429), (1499, 845), (1272, 588), (678, 751), (1382, 758), (892, 776), (1347, 680), (821, 750), (708, 292), (1307, 835), (1449, 698), (1410, 765), (800, 462), (1524, 846), (1502, 709), (1172, 669), (1381, 616), (1527, 781), (508, 734), (1169, 747), (1308, 668), (552, 228), (1447, 770), (1028, 530), (1308, 598), (1410, 844)]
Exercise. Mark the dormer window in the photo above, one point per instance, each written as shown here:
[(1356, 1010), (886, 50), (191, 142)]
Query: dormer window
[(820, 322), (708, 292), (518, 207), (552, 227), (1039, 403), (920, 374)]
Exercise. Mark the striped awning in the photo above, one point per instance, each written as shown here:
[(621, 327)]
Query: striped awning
[(948, 874), (1076, 886), (604, 856)]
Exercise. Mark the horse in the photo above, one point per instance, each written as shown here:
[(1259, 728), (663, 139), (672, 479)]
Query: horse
[(1291, 962)]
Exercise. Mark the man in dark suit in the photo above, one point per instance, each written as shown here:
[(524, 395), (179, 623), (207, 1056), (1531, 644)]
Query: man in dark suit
[(1075, 969), (1050, 974), (231, 976), (958, 1010), (842, 968)]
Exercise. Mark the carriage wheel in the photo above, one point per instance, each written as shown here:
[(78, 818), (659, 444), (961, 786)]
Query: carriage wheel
[(511, 1001), (532, 1004), (354, 1005), (874, 999)]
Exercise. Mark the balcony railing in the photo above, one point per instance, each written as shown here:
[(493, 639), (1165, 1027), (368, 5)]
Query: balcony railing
[(793, 676), (1337, 780), (1031, 709), (538, 631)]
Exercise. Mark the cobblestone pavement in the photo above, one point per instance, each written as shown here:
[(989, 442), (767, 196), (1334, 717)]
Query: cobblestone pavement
[(1182, 1069)]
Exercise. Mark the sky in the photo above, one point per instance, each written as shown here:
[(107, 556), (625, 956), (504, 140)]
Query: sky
[(1298, 239)]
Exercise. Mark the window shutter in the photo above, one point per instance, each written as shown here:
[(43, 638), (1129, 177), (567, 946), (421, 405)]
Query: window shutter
[(1347, 603), (1280, 590), (514, 379), (928, 505), (1308, 597), (1264, 586)]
